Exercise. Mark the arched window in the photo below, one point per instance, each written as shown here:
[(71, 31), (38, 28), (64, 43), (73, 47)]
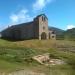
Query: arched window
[(43, 18)]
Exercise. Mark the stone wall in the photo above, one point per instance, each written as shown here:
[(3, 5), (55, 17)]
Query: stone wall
[(52, 35)]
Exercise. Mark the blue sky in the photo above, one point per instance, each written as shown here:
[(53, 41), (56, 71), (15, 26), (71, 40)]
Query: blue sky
[(60, 13)]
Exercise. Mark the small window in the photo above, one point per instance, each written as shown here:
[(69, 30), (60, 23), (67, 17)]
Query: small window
[(53, 32), (52, 36), (43, 27)]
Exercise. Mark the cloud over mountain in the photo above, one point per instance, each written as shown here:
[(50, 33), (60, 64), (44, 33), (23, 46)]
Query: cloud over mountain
[(70, 26)]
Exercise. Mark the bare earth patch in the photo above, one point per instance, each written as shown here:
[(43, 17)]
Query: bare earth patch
[(46, 60), (56, 62), (25, 72)]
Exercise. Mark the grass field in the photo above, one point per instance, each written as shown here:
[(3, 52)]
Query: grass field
[(17, 55)]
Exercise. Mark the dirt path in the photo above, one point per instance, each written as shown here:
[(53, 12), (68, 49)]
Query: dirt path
[(24, 72)]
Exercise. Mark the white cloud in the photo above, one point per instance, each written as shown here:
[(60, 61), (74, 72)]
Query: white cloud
[(70, 26), (20, 17), (40, 4), (14, 18)]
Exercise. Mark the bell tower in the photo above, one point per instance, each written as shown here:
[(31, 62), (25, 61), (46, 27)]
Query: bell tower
[(41, 25)]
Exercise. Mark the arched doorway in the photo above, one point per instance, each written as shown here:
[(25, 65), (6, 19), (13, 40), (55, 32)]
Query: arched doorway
[(43, 35)]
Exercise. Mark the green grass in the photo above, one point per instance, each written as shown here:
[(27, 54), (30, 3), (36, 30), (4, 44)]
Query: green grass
[(17, 55), (69, 58), (6, 66)]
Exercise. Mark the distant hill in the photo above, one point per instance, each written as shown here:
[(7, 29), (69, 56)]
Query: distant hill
[(57, 30), (70, 34)]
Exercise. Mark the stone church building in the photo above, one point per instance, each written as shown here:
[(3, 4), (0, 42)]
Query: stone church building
[(37, 29)]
